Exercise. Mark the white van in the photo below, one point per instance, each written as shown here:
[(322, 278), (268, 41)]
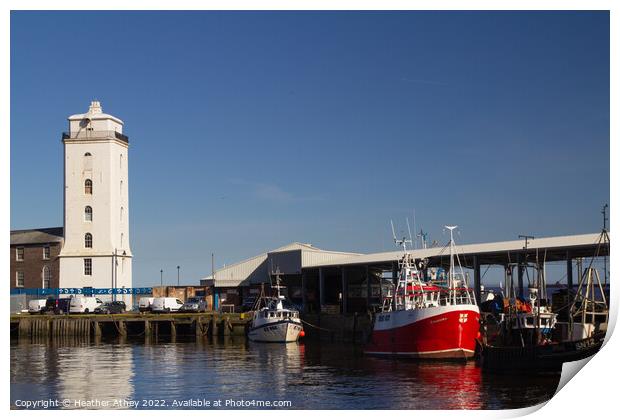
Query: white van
[(84, 304), (145, 304), (36, 306), (166, 304)]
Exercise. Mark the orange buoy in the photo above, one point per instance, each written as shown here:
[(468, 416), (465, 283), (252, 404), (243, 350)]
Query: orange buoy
[(302, 333)]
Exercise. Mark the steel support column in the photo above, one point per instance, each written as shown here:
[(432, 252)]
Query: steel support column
[(321, 288), (477, 291), (344, 289), (394, 273), (520, 274), (569, 271), (303, 292), (368, 287), (507, 281)]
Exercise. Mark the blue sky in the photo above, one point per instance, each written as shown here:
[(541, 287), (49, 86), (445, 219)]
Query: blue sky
[(250, 130)]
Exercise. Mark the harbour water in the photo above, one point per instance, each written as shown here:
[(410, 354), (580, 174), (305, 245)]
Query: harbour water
[(144, 373)]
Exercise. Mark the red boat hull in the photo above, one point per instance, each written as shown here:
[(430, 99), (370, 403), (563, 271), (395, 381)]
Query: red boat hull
[(446, 332)]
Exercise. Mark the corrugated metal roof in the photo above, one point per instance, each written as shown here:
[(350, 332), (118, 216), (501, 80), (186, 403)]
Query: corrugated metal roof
[(311, 258), (255, 270), (221, 283), (490, 247), (37, 236)]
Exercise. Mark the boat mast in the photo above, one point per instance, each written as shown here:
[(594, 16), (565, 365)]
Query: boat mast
[(451, 272), (406, 268), (605, 219)]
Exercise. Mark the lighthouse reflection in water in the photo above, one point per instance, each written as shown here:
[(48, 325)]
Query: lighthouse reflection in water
[(311, 375)]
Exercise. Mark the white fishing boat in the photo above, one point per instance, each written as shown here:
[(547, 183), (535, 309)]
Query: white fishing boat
[(272, 321)]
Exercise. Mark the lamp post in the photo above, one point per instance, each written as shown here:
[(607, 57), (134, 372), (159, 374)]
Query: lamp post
[(161, 277), (178, 275)]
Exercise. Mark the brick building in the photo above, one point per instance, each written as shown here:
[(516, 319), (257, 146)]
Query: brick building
[(34, 258)]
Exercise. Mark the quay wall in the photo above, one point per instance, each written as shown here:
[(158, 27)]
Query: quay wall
[(349, 328), (123, 325)]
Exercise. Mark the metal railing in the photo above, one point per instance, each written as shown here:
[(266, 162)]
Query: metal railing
[(86, 134)]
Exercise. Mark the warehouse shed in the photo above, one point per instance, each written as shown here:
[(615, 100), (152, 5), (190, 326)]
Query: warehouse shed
[(240, 282)]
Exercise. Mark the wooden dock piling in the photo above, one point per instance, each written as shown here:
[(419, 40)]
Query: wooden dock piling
[(123, 325)]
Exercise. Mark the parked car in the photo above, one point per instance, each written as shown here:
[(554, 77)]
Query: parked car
[(84, 304), (57, 306), (36, 306), (166, 304), (194, 304), (145, 304), (116, 307)]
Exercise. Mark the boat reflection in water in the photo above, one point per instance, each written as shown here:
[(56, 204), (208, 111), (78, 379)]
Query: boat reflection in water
[(311, 375), (436, 384)]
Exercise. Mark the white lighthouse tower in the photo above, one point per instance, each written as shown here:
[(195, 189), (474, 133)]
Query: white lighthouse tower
[(96, 251)]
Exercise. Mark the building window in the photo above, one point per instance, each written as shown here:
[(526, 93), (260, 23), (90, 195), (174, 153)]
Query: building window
[(19, 254), (121, 162), (19, 279), (122, 211), (46, 252), (121, 240), (88, 186), (88, 240), (121, 187), (87, 154), (88, 266), (88, 213), (47, 277)]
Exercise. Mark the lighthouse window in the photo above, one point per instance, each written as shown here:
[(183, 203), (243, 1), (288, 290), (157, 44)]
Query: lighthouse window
[(88, 213), (88, 266), (88, 186), (87, 154), (88, 240)]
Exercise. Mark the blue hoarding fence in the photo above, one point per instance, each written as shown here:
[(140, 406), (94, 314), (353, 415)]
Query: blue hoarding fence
[(88, 291)]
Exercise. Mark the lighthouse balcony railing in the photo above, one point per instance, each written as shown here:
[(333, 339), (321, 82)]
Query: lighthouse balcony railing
[(88, 134)]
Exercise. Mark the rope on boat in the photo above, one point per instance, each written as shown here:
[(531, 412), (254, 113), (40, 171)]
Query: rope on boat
[(316, 326)]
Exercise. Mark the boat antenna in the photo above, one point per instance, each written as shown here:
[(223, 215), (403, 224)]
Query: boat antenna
[(400, 242), (422, 235), (523, 264), (415, 240), (605, 236), (409, 230), (393, 231), (451, 272)]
